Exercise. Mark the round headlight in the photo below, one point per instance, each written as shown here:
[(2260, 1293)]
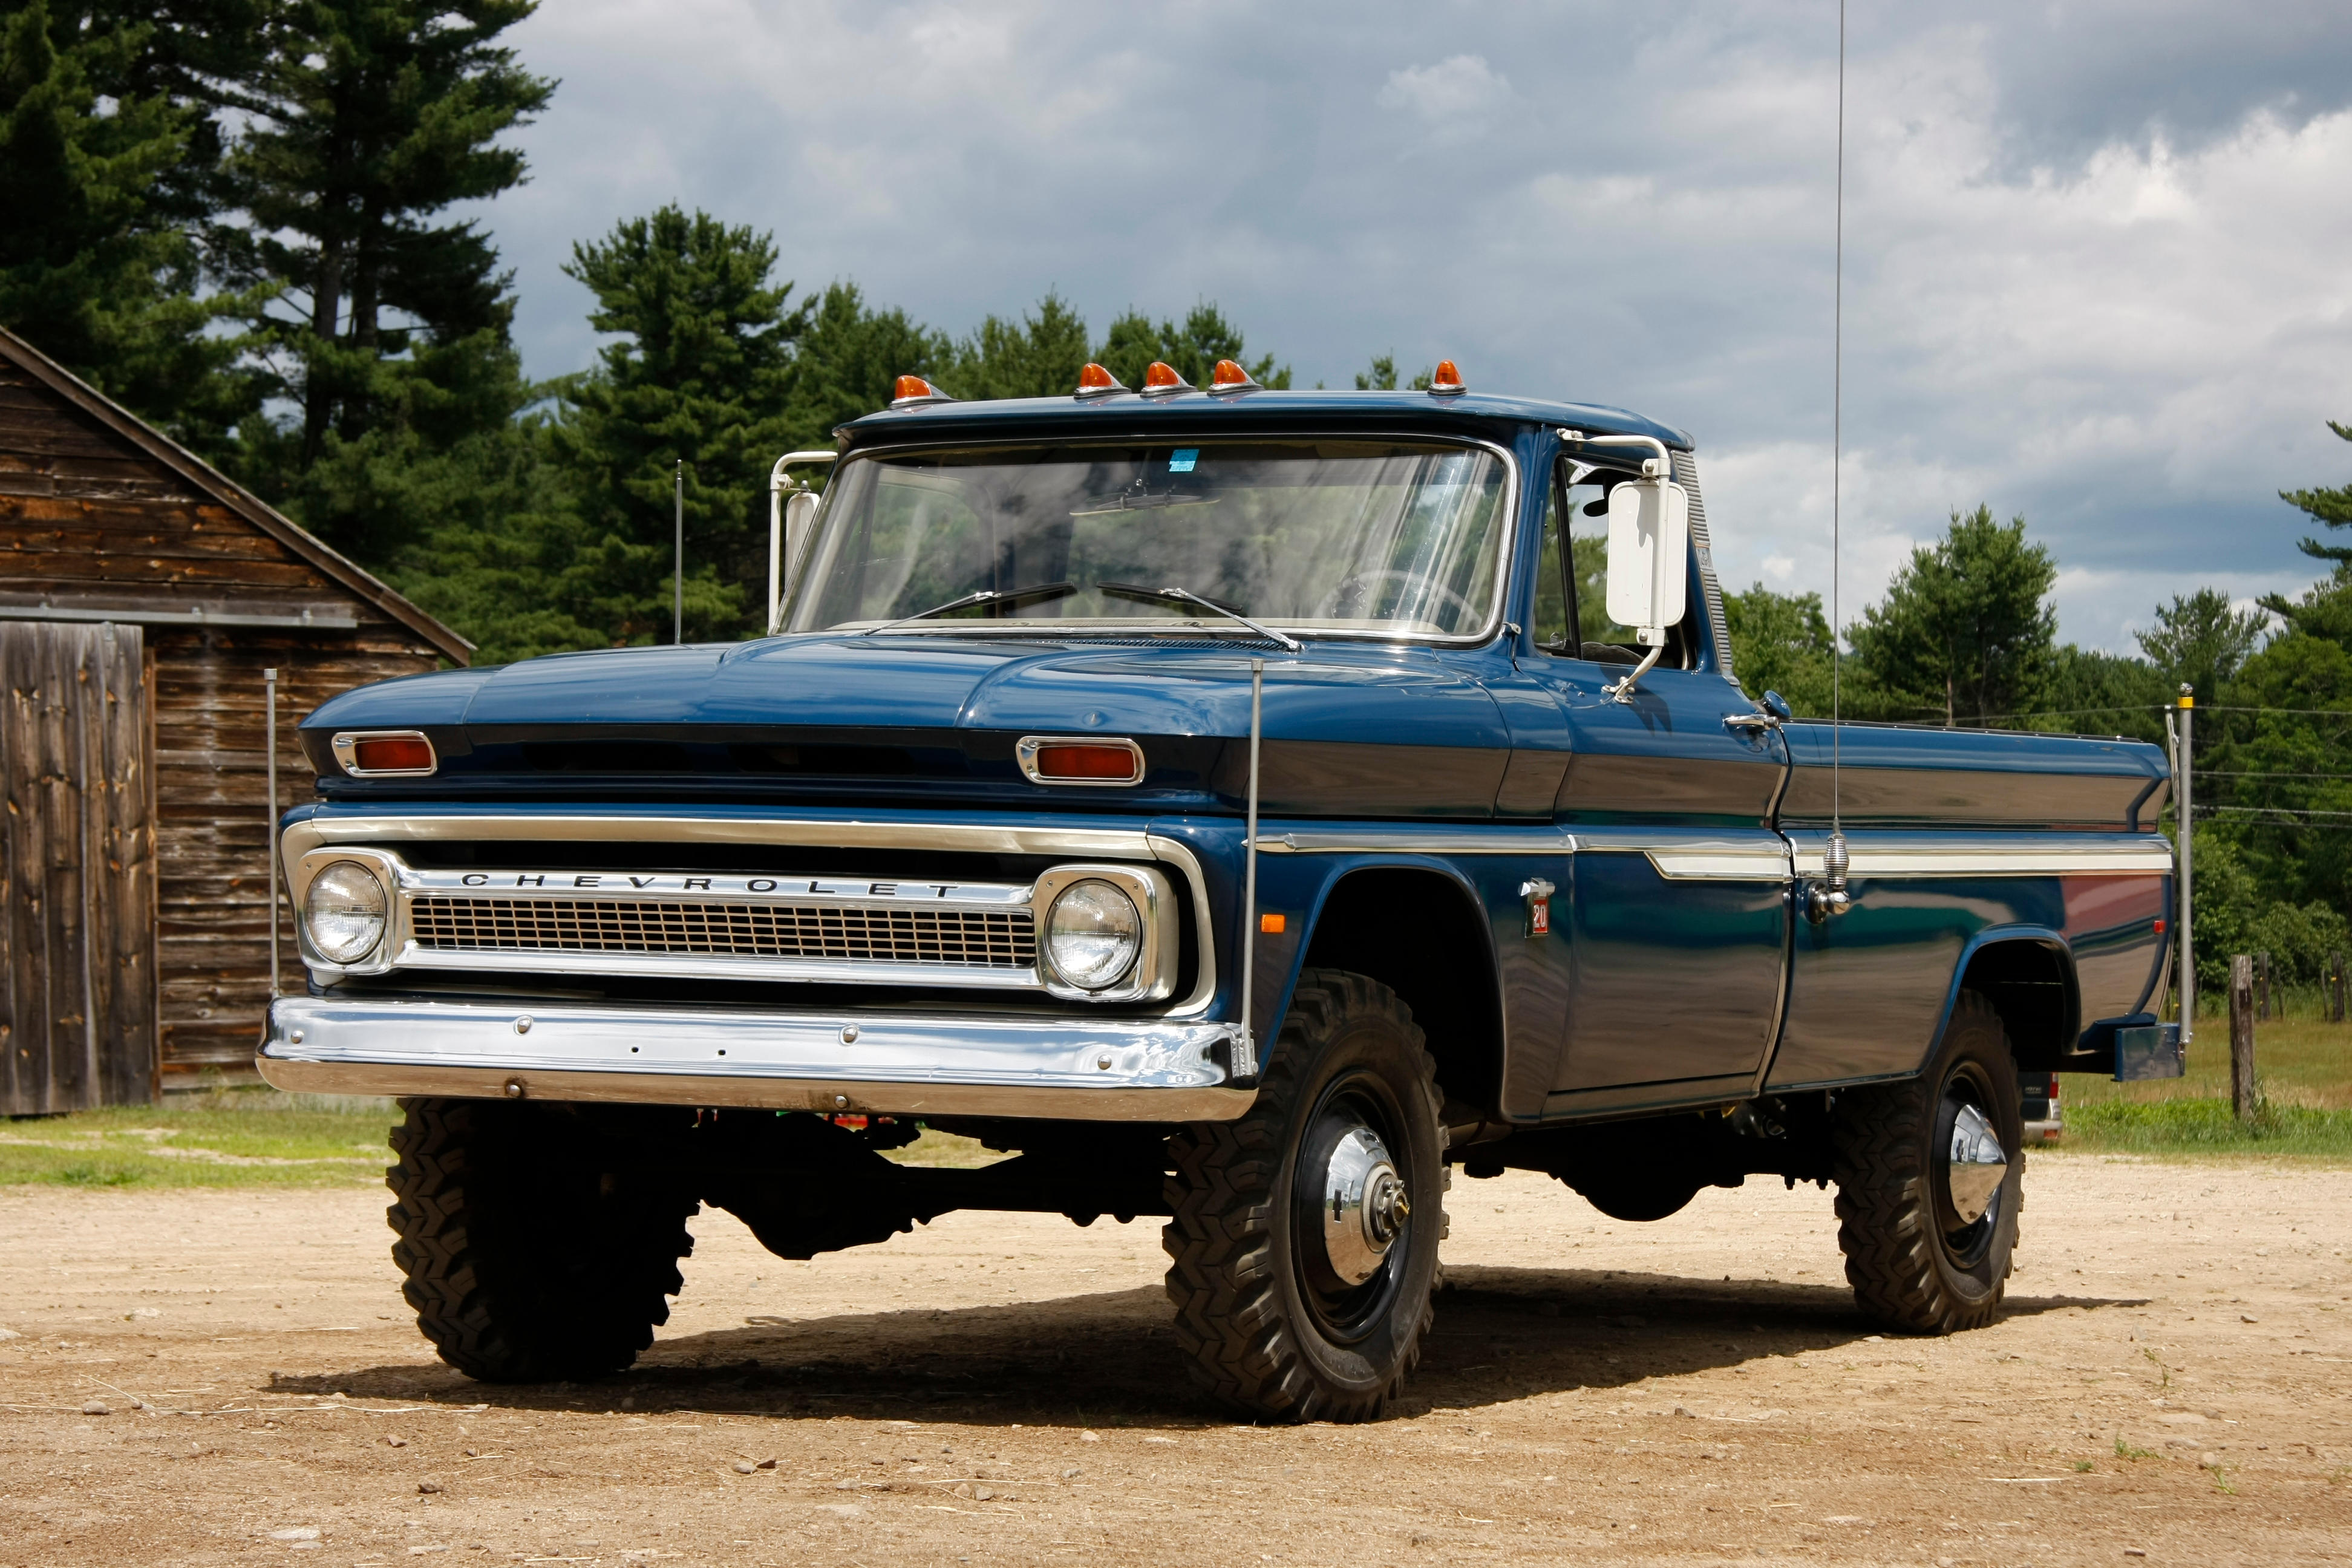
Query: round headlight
[(344, 912), (1092, 934)]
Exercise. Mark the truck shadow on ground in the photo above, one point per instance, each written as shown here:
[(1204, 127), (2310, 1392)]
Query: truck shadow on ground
[(1110, 1359)]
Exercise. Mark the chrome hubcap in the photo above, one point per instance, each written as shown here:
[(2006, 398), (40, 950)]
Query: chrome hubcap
[(1978, 1164), (1364, 1205)]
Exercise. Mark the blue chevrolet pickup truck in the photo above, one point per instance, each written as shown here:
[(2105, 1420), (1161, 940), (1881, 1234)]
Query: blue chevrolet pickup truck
[(1239, 805)]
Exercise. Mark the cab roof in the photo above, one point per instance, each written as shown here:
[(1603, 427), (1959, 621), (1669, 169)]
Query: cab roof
[(1195, 410)]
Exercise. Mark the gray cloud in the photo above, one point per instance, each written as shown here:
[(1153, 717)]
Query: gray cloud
[(2094, 253)]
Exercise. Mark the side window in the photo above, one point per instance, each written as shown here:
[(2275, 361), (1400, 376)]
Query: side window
[(1551, 612)]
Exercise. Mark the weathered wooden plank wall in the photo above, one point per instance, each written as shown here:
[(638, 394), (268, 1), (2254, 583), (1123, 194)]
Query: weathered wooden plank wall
[(89, 523), (211, 783), (77, 869)]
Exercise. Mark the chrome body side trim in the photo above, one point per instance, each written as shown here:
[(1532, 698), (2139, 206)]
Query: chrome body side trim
[(883, 1063), (2103, 855), (1435, 840), (1699, 861)]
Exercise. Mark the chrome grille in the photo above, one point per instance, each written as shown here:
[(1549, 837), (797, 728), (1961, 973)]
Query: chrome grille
[(967, 938)]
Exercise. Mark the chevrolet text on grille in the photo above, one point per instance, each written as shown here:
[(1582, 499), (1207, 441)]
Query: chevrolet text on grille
[(560, 881)]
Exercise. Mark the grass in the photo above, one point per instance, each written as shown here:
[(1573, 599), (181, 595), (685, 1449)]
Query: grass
[(2303, 1071), (260, 1138), (231, 1138)]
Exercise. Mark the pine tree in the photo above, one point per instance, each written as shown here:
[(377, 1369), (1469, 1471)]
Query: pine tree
[(1965, 631), (374, 116), (2330, 507), (700, 374), (848, 356), (1192, 349), (108, 162), (1038, 356)]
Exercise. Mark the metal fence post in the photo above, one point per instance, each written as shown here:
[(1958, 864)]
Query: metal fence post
[(2184, 774), (2261, 987), (2242, 1037), (269, 833)]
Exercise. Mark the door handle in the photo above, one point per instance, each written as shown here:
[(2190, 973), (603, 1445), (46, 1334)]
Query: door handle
[(1754, 723)]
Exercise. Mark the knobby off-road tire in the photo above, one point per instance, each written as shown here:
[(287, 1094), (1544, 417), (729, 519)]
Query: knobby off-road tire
[(1914, 1265), (530, 1258), (1266, 1328)]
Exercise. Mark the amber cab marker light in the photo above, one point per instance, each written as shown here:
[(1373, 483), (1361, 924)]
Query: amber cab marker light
[(1094, 380), (912, 391), (1094, 765), (1447, 380), (1229, 377), (1161, 376)]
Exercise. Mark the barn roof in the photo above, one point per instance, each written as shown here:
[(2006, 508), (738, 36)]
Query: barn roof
[(218, 486)]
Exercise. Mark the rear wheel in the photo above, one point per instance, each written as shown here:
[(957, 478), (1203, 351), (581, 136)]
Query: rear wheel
[(1930, 1176), (532, 1252), (1305, 1237)]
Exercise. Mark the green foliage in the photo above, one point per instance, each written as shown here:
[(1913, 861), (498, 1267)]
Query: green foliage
[(2330, 507), (1781, 642), (1965, 631), (102, 149), (1382, 376), (2202, 642), (2094, 693), (390, 330), (2324, 611), (1038, 356), (1193, 349), (847, 357), (698, 374)]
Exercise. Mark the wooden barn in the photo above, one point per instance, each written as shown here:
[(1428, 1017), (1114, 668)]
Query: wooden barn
[(142, 596)]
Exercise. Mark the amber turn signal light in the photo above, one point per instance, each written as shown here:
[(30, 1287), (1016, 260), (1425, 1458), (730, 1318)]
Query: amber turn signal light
[(910, 391), (1230, 374), (1161, 377), (1089, 764), (1447, 379), (1094, 380), (1272, 925)]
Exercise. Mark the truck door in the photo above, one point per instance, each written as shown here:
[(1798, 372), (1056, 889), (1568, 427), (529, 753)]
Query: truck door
[(1679, 898)]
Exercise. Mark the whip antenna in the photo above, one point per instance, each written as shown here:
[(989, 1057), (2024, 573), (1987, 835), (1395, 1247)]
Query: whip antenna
[(1833, 856)]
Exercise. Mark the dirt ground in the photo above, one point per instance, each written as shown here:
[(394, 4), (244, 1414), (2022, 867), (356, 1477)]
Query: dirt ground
[(200, 1377)]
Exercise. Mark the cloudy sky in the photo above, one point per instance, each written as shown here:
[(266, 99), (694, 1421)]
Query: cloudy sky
[(2099, 254)]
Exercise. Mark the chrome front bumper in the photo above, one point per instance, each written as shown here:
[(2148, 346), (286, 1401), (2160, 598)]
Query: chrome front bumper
[(1078, 1070)]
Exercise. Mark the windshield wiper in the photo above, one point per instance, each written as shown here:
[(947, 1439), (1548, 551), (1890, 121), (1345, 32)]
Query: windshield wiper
[(1130, 501), (985, 597), (1186, 596)]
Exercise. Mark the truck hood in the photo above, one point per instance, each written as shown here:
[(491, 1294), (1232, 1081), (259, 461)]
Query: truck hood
[(1330, 692)]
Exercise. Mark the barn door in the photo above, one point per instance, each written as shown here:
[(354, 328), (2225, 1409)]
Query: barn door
[(77, 869)]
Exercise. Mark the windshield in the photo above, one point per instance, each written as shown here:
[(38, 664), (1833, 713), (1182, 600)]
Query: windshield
[(1390, 538)]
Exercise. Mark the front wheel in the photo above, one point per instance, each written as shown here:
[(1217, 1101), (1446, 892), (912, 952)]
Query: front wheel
[(1930, 1175), (534, 1250), (1305, 1237)]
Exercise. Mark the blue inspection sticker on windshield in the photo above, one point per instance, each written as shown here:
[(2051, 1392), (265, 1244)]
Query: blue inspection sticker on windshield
[(1181, 461)]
